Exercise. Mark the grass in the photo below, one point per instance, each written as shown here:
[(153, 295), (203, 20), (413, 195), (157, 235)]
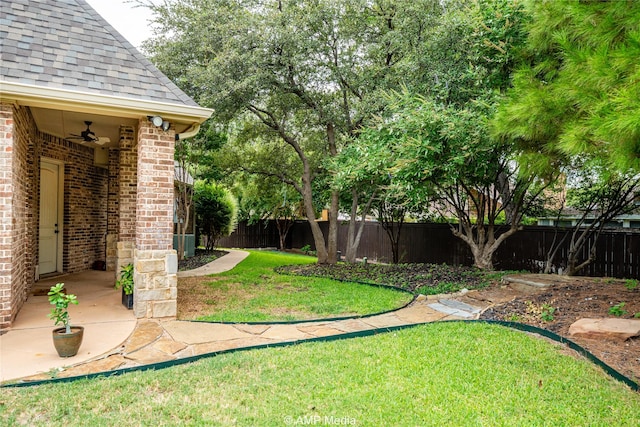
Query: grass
[(442, 374), (253, 292)]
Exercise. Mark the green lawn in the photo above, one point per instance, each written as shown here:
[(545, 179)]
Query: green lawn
[(253, 292), (442, 374)]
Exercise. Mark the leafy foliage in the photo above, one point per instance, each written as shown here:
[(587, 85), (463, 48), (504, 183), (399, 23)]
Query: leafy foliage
[(578, 91), (217, 212), (126, 279), (432, 142), (618, 309), (301, 76), (60, 301)]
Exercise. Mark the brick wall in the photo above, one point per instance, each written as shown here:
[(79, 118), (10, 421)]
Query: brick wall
[(85, 205), (6, 201), (85, 202), (123, 181), (17, 231), (128, 177)]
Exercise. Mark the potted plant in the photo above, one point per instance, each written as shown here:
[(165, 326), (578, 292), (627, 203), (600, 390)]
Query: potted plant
[(66, 339), (126, 283)]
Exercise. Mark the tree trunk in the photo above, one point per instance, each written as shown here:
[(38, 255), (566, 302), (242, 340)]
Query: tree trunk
[(283, 227), (482, 243), (354, 236), (307, 198), (482, 257), (332, 238)]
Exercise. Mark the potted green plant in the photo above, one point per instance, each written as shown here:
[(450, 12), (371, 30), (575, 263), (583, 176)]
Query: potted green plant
[(126, 283), (66, 339)]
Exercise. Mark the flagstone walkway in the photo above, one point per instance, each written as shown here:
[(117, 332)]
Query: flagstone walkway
[(155, 341)]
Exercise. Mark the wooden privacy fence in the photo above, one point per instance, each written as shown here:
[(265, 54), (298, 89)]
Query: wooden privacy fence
[(617, 251)]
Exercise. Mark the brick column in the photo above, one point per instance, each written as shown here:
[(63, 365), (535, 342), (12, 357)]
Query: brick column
[(156, 263), (123, 166), (6, 213)]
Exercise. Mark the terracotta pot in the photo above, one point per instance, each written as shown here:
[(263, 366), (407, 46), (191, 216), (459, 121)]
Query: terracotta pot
[(67, 345)]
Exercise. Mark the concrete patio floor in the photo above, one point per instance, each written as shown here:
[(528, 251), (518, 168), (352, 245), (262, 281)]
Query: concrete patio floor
[(27, 347), (114, 340)]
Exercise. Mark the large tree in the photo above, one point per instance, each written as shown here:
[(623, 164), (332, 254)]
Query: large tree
[(305, 72), (578, 92), (444, 154), (433, 139)]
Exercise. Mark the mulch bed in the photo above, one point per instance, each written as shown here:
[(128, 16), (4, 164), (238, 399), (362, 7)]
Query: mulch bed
[(200, 258)]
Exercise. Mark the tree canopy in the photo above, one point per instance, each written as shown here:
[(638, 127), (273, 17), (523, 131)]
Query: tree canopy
[(433, 142), (306, 74), (578, 92)]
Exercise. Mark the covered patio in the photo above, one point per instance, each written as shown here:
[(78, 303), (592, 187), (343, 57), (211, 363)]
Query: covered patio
[(27, 348), (88, 128)]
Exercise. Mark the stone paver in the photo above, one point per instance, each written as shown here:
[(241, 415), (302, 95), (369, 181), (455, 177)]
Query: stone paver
[(285, 333), (200, 332), (383, 321), (107, 364), (212, 347), (419, 313), (451, 311), (459, 305), (252, 329), (612, 329), (351, 325), (146, 331), (149, 355), (320, 331), (169, 346)]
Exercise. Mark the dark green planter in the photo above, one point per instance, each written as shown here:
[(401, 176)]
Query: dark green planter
[(127, 300), (67, 345)]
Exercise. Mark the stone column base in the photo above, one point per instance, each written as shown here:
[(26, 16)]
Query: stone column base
[(112, 252), (155, 284), (124, 256)]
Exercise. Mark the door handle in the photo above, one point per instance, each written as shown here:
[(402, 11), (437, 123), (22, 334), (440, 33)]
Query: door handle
[(56, 230)]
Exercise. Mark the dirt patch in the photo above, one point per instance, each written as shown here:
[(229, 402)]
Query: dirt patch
[(567, 300), (199, 296), (202, 296)]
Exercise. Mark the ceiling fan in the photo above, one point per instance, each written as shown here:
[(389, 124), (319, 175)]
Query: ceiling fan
[(88, 136)]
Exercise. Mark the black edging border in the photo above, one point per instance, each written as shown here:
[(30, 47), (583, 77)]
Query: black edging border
[(370, 332)]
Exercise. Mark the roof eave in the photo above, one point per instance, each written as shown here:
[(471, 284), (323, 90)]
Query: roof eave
[(64, 99)]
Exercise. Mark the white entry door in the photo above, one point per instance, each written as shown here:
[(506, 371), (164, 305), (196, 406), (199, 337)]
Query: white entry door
[(50, 226)]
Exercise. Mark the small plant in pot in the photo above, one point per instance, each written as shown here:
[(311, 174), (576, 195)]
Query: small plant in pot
[(66, 339), (126, 283)]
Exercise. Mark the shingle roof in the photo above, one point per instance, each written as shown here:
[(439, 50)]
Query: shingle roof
[(65, 44)]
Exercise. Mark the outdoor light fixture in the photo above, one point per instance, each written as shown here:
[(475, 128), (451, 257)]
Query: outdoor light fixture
[(159, 122), (156, 120)]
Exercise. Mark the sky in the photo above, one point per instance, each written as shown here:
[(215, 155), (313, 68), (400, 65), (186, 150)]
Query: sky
[(128, 20)]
